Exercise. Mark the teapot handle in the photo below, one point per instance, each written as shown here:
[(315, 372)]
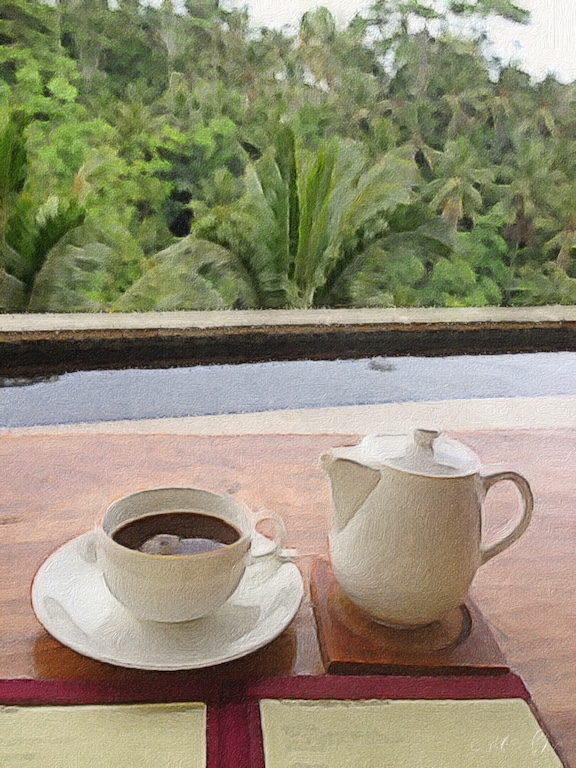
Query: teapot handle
[(519, 527)]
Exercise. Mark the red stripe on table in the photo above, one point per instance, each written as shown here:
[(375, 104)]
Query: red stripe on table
[(150, 689), (234, 733), (392, 687)]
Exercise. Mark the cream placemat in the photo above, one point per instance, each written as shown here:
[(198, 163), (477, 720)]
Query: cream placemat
[(104, 736), (404, 734)]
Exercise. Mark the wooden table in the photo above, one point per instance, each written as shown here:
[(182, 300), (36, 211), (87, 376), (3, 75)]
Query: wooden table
[(55, 486)]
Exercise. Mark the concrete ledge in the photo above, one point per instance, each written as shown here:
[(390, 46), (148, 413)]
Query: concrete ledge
[(126, 321), (56, 343), (390, 418)]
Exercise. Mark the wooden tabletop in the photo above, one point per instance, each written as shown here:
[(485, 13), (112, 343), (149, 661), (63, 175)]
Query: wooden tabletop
[(55, 486)]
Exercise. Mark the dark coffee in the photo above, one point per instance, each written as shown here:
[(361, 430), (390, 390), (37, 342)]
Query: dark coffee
[(176, 533)]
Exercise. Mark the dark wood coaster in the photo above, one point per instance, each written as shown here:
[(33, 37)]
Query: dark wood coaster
[(352, 643)]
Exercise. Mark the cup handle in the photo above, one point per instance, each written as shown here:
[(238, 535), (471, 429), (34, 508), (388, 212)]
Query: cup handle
[(517, 528), (262, 545)]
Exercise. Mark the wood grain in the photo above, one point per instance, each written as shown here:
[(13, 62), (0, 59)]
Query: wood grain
[(55, 487)]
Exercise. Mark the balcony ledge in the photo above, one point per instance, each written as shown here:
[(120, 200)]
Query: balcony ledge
[(35, 344)]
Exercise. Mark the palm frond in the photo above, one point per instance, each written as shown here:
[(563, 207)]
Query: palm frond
[(314, 219), (181, 277), (13, 157)]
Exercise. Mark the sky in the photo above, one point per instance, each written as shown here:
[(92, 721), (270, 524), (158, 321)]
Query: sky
[(548, 44)]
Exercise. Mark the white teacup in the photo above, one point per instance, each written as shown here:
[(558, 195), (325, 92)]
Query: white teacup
[(180, 586)]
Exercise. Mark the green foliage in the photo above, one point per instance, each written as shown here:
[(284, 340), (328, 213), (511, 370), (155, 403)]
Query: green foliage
[(387, 279), (305, 218), (32, 240), (155, 159), (191, 274), (86, 271), (73, 276), (486, 8), (13, 158), (549, 285)]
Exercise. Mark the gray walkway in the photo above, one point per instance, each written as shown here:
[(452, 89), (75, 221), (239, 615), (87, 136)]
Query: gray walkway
[(201, 391)]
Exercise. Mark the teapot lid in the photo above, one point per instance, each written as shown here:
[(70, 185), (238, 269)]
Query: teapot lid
[(425, 452)]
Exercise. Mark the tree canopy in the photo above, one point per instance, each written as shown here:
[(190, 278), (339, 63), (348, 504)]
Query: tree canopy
[(176, 157)]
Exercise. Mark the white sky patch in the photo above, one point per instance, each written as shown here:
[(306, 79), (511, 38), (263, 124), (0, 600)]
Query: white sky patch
[(268, 13), (547, 44)]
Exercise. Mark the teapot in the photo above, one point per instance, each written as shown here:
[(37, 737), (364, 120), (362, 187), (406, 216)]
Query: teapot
[(407, 512)]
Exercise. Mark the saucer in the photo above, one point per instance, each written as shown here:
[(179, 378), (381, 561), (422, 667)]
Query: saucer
[(71, 600)]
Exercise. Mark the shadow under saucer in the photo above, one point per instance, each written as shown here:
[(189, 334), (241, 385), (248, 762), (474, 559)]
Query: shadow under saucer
[(54, 661)]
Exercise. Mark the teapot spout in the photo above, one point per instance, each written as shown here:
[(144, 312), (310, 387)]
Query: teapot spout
[(350, 484)]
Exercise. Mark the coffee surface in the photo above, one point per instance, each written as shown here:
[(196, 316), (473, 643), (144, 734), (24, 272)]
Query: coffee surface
[(176, 533)]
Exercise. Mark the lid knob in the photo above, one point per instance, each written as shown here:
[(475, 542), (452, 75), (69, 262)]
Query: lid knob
[(424, 439)]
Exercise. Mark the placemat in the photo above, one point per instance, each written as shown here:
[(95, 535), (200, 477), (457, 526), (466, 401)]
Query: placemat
[(240, 739), (100, 736), (387, 734), (234, 735)]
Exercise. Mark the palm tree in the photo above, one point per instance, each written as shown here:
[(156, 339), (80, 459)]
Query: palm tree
[(304, 220), (533, 191), (315, 216), (487, 8), (564, 241), (13, 166), (461, 176), (84, 26), (510, 110), (19, 268)]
